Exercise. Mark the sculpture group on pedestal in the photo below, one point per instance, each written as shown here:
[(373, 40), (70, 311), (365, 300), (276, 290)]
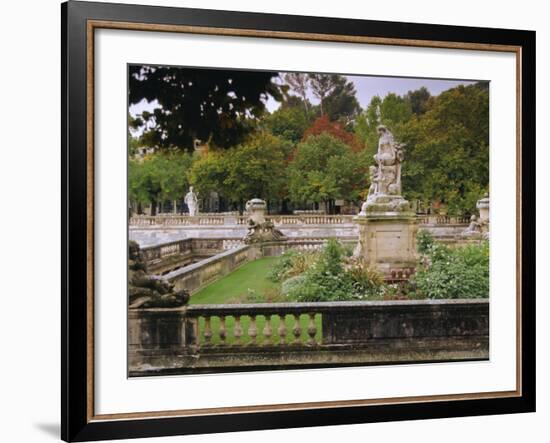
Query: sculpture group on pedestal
[(260, 229), (479, 226), (387, 226)]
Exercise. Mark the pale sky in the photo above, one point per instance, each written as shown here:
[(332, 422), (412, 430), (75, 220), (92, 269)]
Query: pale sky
[(366, 87)]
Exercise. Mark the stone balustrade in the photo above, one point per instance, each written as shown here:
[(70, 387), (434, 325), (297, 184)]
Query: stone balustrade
[(211, 338), (153, 255), (278, 220), (443, 220), (171, 255), (218, 220)]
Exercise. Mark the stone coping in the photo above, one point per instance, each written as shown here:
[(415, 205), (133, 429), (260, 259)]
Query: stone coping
[(296, 307), (206, 261)]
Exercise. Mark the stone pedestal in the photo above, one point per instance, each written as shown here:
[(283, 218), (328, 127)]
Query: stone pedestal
[(387, 236)]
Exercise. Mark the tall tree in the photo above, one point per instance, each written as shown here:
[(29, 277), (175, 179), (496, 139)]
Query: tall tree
[(322, 85), (299, 83), (418, 100), (323, 169), (158, 178), (220, 106), (287, 122), (257, 169), (341, 103), (447, 152)]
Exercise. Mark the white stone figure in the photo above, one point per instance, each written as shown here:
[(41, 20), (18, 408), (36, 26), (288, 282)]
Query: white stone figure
[(474, 228), (385, 190), (192, 202), (388, 158)]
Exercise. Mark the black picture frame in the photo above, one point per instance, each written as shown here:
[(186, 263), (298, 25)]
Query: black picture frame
[(78, 422)]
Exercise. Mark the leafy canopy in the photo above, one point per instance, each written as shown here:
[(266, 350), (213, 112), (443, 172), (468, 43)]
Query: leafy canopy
[(218, 106)]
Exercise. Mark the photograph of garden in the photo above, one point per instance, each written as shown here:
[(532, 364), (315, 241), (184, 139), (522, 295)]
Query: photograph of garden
[(282, 220)]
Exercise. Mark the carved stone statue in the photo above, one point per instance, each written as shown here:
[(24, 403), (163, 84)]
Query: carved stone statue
[(385, 190), (479, 226), (388, 158), (387, 225), (474, 227), (260, 229), (145, 291), (192, 202)]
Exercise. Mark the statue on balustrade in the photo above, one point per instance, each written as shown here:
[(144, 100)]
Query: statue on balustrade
[(191, 201), (474, 228), (145, 291), (259, 229)]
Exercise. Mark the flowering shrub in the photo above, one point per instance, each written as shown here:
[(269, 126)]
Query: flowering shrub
[(461, 272), (327, 280)]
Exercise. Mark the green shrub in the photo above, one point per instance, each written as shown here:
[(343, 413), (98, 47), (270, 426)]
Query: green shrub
[(292, 263), (327, 279), (461, 272), (424, 241), (367, 282), (291, 283)]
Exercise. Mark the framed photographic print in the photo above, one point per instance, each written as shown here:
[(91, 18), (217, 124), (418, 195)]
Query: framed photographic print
[(277, 221)]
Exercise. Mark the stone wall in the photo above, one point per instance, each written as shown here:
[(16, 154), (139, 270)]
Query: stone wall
[(174, 341), (197, 275)]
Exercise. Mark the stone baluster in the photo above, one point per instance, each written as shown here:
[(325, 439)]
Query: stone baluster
[(268, 330), (296, 329), (282, 330), (253, 330), (237, 330), (207, 331), (311, 329), (223, 330)]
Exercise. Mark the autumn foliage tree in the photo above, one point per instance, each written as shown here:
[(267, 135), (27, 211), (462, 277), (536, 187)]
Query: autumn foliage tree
[(336, 130)]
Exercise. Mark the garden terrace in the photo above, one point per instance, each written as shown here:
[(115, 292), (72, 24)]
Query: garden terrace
[(154, 230), (208, 338), (233, 253)]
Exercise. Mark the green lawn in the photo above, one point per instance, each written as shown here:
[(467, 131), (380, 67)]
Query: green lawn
[(250, 277)]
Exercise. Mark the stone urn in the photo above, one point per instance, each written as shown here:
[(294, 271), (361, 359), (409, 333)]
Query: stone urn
[(256, 209), (483, 208)]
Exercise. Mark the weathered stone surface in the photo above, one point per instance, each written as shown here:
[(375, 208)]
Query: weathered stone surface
[(387, 226), (353, 333)]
